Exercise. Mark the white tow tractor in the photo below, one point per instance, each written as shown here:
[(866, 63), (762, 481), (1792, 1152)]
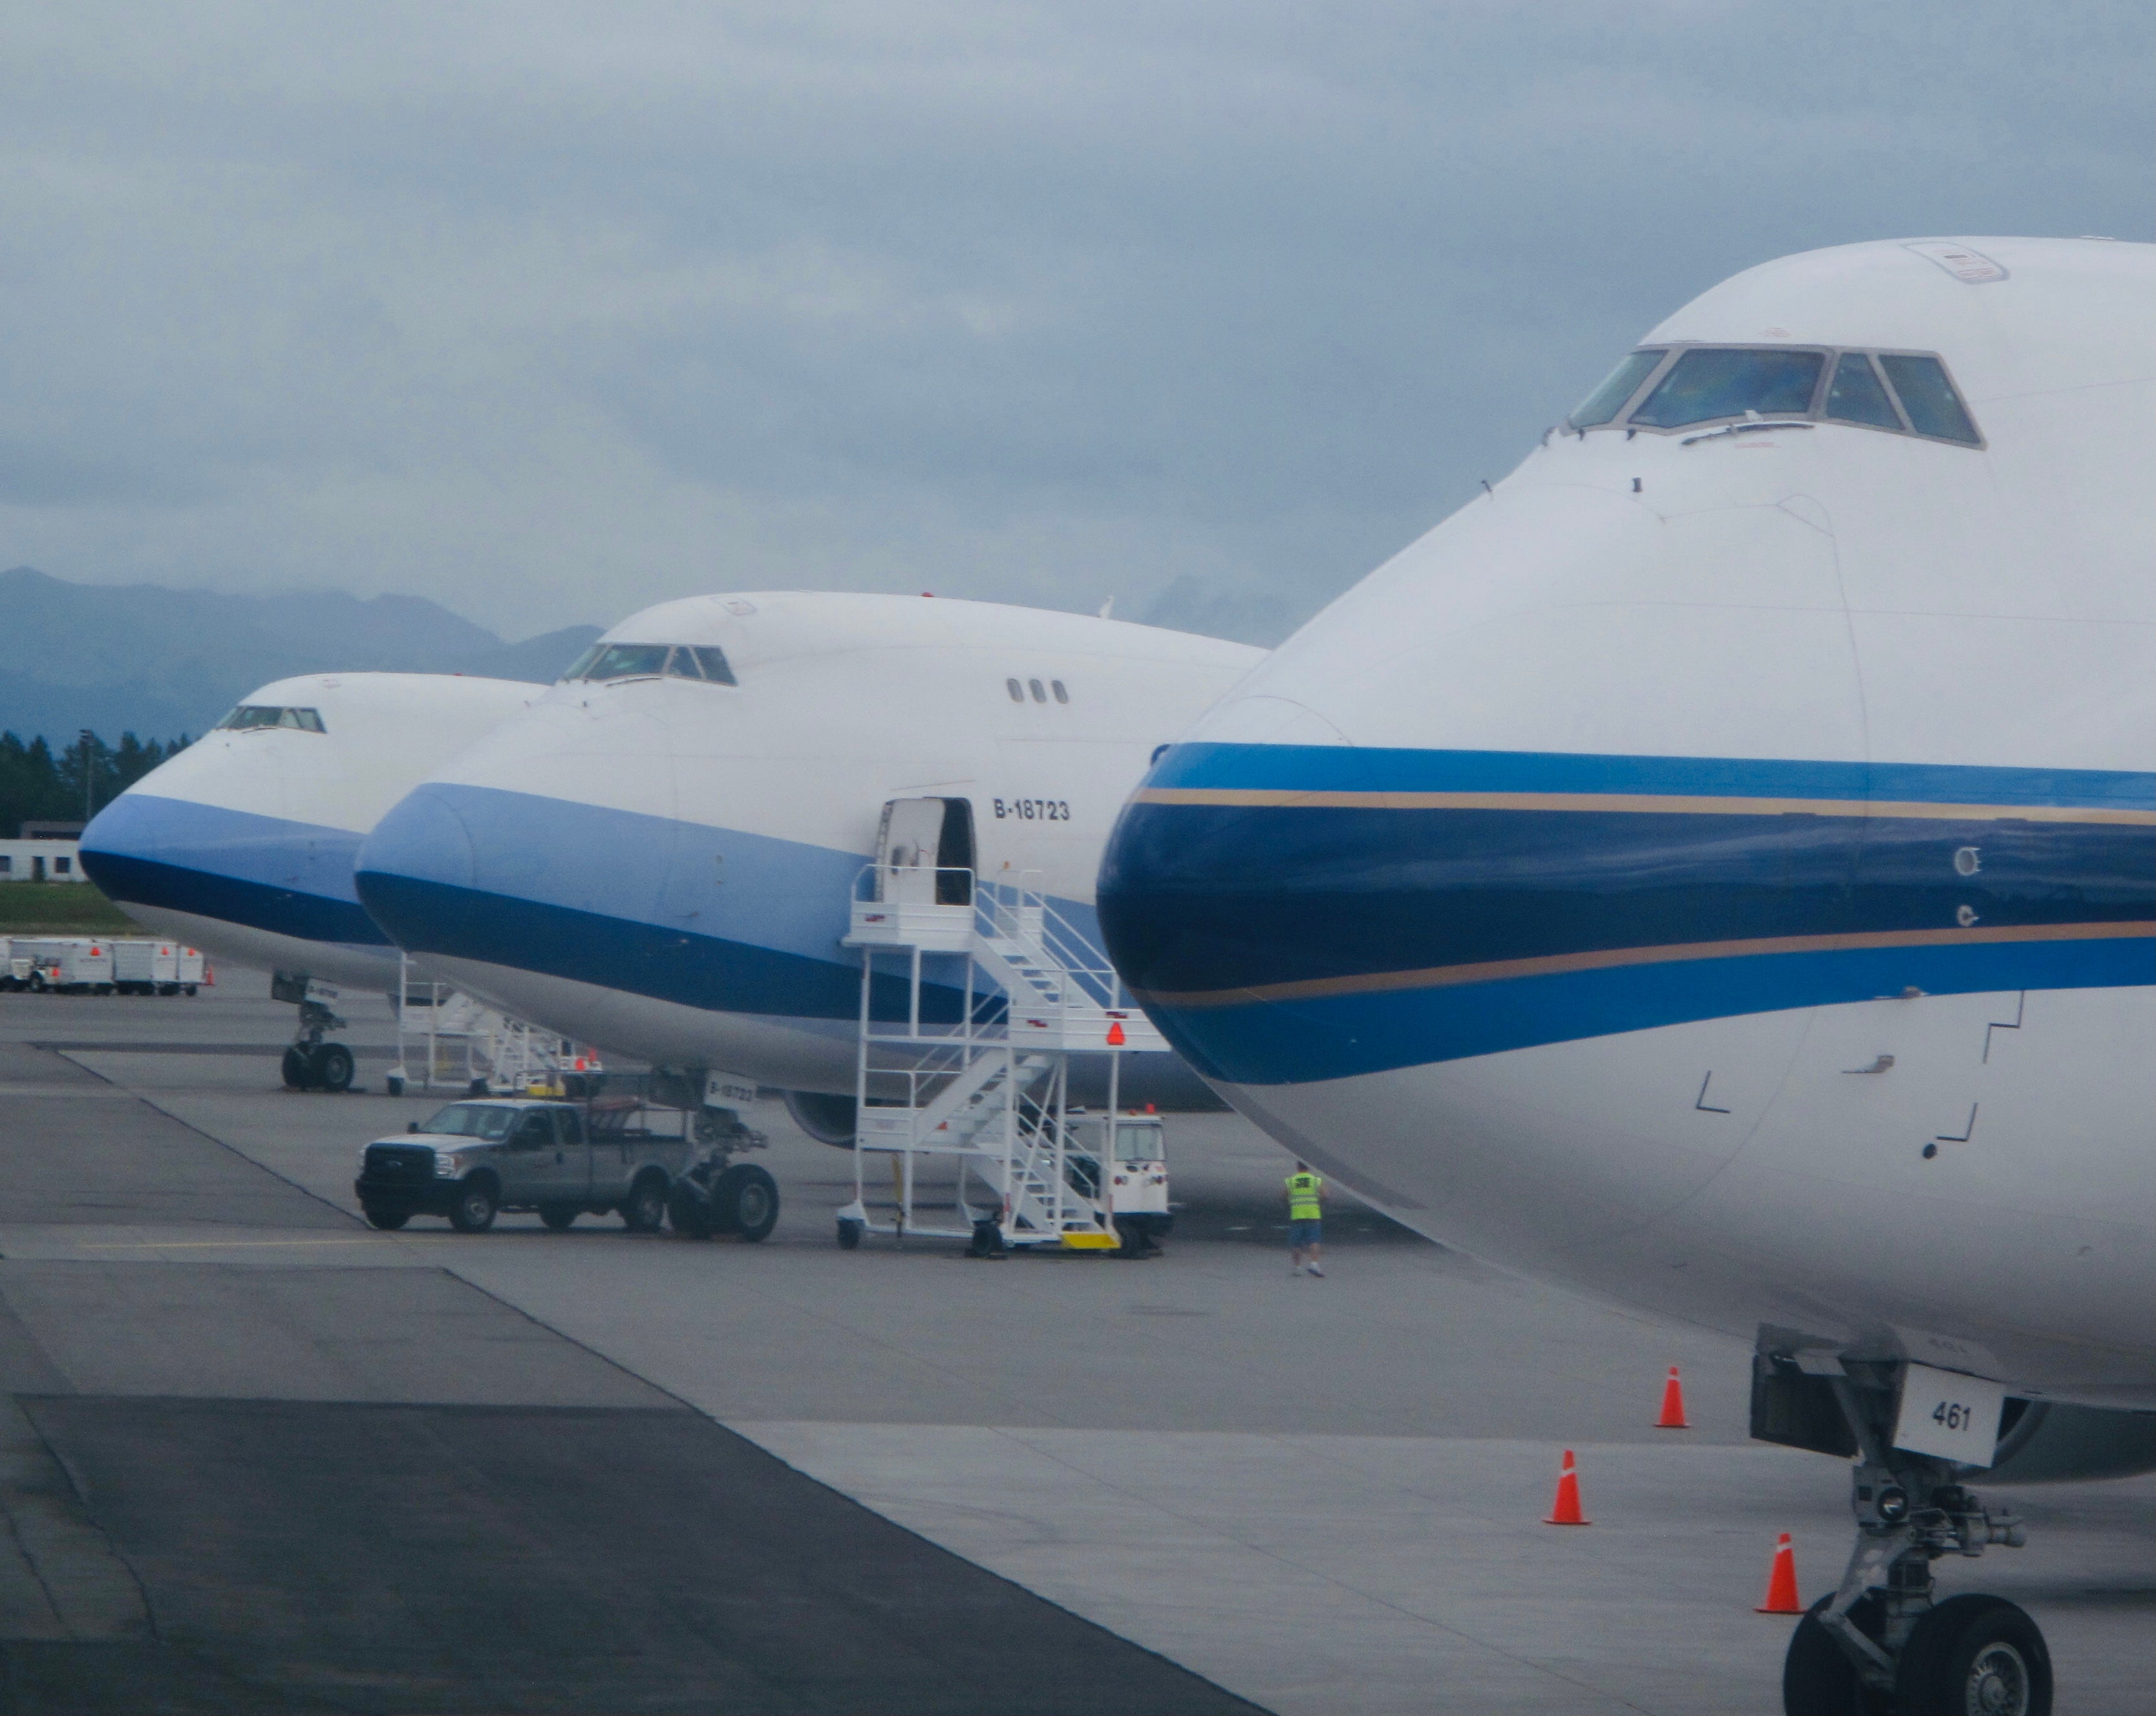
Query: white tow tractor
[(1135, 1161)]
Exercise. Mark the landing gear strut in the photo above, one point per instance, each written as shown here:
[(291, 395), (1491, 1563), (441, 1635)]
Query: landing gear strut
[(310, 1063), (1881, 1645)]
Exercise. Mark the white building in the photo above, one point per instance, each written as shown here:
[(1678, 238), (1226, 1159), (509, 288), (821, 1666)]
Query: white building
[(40, 861)]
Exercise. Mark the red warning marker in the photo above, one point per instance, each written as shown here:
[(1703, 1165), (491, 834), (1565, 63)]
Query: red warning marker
[(1673, 1413), (1115, 1038), (1565, 1509), (1782, 1598)]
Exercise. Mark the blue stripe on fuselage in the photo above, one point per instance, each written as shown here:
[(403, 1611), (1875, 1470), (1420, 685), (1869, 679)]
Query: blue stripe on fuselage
[(1375, 924), (264, 873), (717, 919), (1320, 768)]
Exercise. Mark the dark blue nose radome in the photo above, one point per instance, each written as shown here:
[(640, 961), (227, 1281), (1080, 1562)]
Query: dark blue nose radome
[(417, 871), (1294, 914)]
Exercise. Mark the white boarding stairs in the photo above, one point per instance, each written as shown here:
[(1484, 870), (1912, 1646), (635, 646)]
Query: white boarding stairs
[(988, 1088)]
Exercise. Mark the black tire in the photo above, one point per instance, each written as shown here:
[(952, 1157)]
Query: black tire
[(298, 1068), (476, 1205), (746, 1201), (689, 1210), (1818, 1679), (334, 1066), (386, 1220), (849, 1234), (644, 1210), (1975, 1652), (560, 1217)]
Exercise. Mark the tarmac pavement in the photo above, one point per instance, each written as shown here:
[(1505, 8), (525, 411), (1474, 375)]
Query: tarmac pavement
[(264, 1457)]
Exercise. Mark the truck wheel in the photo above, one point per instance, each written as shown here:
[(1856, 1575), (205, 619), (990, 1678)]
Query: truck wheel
[(746, 1200), (474, 1211), (560, 1217), (298, 1067), (333, 1066), (689, 1210), (388, 1220), (644, 1210), (849, 1234)]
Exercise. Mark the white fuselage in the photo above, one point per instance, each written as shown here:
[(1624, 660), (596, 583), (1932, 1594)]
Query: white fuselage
[(243, 844), (1717, 869), (662, 865)]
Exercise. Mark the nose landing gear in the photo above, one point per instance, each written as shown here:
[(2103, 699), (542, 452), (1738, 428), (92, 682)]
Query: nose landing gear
[(310, 1063), (1881, 1645)]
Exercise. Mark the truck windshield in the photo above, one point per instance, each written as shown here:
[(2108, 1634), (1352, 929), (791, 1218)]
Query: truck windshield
[(1142, 1142), (473, 1120)]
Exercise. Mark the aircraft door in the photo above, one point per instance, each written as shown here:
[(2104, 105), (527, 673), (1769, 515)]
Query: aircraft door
[(909, 848), (955, 863)]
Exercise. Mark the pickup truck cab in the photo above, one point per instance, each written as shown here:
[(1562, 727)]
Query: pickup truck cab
[(476, 1158)]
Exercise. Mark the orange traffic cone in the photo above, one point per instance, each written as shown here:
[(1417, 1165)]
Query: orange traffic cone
[(1115, 1038), (1565, 1509), (1673, 1417), (1782, 1598)]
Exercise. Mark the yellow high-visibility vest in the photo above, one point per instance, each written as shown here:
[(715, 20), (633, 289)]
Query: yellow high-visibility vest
[(1302, 1204)]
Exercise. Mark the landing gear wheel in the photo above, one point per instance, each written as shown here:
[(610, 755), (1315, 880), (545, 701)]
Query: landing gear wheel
[(689, 1210), (1974, 1654), (333, 1066), (849, 1234), (644, 1210), (1818, 1678), (298, 1068), (560, 1217), (474, 1209), (746, 1201), (388, 1220)]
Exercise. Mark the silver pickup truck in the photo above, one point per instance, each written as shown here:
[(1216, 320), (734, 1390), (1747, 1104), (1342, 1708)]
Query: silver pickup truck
[(563, 1159)]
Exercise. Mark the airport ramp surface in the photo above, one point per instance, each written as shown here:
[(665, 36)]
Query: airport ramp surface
[(256, 1456)]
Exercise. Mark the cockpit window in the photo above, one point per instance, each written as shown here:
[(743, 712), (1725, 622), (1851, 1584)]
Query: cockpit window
[(642, 661), (1903, 393), (1929, 397), (716, 667), (252, 716), (576, 669), (1605, 402), (1858, 396), (1712, 383), (627, 661)]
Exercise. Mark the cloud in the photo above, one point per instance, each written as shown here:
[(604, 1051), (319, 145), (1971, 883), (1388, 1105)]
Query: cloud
[(551, 311)]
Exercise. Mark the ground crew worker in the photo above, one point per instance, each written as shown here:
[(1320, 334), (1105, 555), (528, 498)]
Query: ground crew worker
[(1306, 1216)]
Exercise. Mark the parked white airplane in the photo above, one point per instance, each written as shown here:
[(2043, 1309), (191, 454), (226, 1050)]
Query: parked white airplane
[(658, 857), (1717, 869), (243, 844)]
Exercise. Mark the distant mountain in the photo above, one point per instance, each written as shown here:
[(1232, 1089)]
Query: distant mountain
[(141, 659)]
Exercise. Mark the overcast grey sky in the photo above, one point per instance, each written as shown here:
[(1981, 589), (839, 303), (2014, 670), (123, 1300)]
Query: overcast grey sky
[(550, 311)]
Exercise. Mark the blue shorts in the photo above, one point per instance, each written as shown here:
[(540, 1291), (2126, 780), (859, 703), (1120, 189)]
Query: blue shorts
[(1303, 1233)]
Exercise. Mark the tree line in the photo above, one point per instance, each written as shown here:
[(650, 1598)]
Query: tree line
[(37, 786)]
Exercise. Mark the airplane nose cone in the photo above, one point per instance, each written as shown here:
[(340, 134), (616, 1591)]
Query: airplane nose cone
[(121, 844), (417, 871)]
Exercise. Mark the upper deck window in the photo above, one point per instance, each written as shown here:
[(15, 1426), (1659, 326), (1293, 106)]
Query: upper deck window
[(1686, 386), (251, 716), (1710, 382)]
